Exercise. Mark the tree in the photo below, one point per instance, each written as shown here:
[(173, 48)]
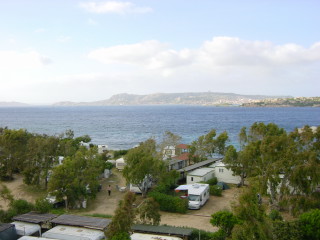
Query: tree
[(253, 222), (209, 145), (142, 162), (149, 212), (225, 220), (77, 178), (123, 218), (169, 139), (310, 224)]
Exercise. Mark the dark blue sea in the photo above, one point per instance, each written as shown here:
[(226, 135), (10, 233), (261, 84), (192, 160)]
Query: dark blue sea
[(122, 127)]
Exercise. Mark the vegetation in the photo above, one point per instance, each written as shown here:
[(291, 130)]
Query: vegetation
[(142, 162)]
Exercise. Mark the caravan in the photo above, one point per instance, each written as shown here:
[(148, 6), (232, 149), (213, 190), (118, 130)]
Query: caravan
[(198, 194)]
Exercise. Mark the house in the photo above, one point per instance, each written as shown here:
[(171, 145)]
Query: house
[(182, 148), (200, 175), (168, 152), (223, 174), (178, 162), (102, 149), (120, 164)]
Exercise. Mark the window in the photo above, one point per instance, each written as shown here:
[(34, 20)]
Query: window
[(191, 179), (221, 170)]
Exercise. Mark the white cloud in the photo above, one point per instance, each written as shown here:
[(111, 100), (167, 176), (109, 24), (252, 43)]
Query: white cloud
[(14, 60), (63, 39), (92, 22), (114, 7), (219, 52)]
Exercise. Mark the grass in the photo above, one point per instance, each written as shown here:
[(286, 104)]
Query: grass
[(98, 215)]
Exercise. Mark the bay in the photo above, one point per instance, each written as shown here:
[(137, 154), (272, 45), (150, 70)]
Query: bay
[(122, 127)]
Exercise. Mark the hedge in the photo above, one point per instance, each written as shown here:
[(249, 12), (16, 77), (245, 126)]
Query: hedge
[(170, 203)]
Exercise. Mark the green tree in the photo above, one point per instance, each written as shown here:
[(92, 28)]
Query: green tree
[(77, 178), (310, 224), (253, 222), (169, 139), (209, 145), (148, 212), (225, 220), (142, 162), (123, 218)]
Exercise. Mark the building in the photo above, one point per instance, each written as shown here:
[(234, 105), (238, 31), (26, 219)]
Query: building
[(200, 175), (102, 149), (223, 174)]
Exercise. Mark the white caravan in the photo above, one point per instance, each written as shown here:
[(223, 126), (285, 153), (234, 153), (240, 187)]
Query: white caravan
[(198, 194), (143, 236)]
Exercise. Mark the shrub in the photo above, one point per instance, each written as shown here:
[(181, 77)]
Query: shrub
[(283, 230), (21, 206), (310, 224), (216, 190), (121, 236), (204, 235), (212, 181), (170, 203), (43, 206), (275, 215)]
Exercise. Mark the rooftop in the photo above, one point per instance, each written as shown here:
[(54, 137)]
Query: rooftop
[(33, 217), (170, 230), (201, 172), (182, 146), (82, 221), (198, 165)]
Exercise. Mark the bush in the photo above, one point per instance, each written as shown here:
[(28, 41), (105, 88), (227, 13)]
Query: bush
[(170, 203), (121, 236), (212, 181), (204, 235), (108, 165), (117, 154), (310, 224), (275, 215), (216, 190), (43, 206), (283, 230), (21, 206)]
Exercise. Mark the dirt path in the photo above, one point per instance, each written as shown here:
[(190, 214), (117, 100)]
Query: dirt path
[(18, 190)]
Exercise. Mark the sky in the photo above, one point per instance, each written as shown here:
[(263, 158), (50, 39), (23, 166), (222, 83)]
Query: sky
[(72, 50)]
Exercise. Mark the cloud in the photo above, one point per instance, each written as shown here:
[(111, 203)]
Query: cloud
[(92, 22), (63, 39), (114, 7), (218, 52), (40, 30), (15, 60)]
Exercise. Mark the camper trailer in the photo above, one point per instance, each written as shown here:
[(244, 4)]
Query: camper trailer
[(120, 164), (143, 236), (198, 194)]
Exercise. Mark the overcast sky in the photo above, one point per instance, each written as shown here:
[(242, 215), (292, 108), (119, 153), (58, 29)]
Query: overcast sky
[(68, 50)]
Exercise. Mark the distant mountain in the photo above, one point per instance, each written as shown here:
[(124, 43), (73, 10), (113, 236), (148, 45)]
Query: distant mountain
[(286, 102), (204, 99), (13, 104)]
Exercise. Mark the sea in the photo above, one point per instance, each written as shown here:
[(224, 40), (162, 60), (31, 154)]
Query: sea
[(123, 127)]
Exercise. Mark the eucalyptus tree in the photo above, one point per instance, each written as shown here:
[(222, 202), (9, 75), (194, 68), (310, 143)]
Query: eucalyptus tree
[(141, 162)]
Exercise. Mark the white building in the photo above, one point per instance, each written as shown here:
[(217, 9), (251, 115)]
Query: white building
[(200, 175), (223, 174), (102, 149), (169, 152), (73, 233)]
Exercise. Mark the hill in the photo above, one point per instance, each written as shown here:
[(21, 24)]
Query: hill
[(13, 104), (286, 102), (204, 98)]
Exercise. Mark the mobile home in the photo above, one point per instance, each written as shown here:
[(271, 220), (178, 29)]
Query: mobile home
[(143, 236), (223, 174), (200, 175), (198, 194), (73, 233)]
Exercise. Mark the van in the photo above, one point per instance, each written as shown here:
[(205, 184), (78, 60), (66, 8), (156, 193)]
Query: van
[(198, 194)]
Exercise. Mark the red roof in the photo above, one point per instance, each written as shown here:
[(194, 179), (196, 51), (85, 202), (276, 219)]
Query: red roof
[(183, 156), (182, 146)]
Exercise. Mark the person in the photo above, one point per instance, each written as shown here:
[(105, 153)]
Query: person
[(109, 190)]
